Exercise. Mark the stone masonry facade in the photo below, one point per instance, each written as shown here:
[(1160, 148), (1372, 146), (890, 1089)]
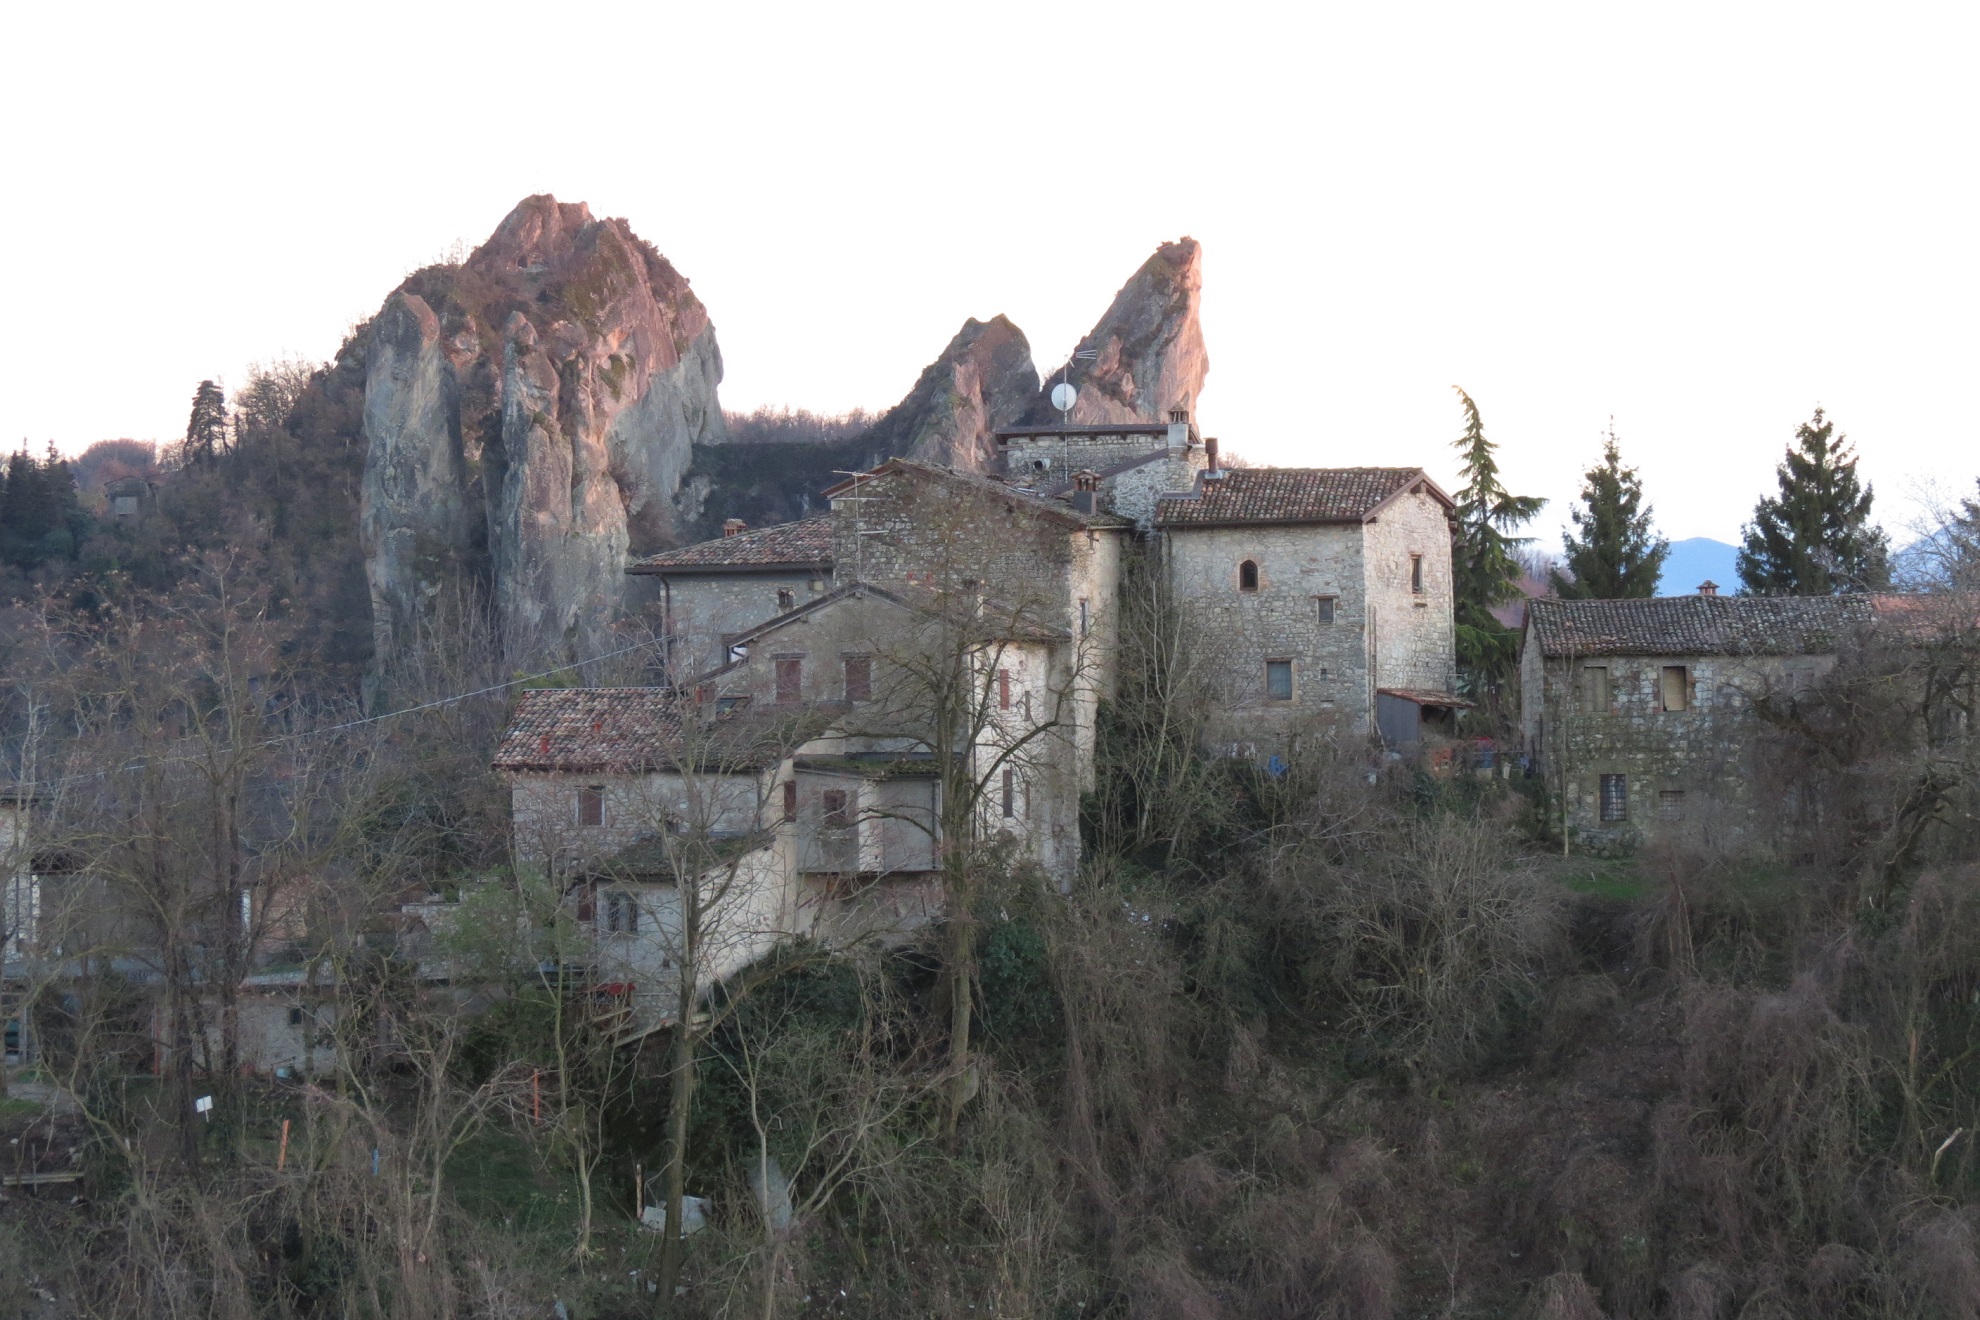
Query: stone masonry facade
[(1644, 715)]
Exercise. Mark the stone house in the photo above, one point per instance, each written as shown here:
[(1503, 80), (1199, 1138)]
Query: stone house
[(1131, 467), (128, 499), (1643, 714), (1342, 626), (1328, 592), (797, 790), (711, 589)]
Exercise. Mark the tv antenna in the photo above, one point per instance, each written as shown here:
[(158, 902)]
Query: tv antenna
[(1065, 394)]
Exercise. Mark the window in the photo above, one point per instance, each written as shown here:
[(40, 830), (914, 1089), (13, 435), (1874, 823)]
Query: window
[(1615, 797), (1003, 689), (1324, 608), (591, 805), (295, 1017), (621, 912), (1010, 793), (1670, 804), (1278, 680), (790, 680), (1595, 687), (1085, 617), (1416, 574), (1248, 575), (859, 678), (1673, 688), (790, 799), (838, 808), (786, 599)]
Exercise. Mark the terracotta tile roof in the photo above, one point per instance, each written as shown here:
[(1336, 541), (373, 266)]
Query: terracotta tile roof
[(1289, 495), (806, 543), (622, 730), (1697, 625)]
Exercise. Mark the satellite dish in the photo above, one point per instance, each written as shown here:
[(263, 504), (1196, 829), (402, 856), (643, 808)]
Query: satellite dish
[(1064, 397)]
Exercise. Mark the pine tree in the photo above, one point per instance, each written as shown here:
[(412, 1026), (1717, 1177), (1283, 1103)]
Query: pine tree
[(41, 515), (1484, 566), (1614, 552), (206, 431), (1815, 538)]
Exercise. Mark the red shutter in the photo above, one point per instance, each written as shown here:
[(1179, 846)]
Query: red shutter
[(790, 682)]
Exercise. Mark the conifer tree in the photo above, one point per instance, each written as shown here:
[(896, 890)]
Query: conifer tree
[(1815, 538), (1485, 568), (206, 431), (1614, 553)]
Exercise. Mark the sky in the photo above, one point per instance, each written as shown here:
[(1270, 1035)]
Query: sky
[(1701, 221)]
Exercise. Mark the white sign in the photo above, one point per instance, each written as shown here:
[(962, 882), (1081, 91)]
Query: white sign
[(202, 1104)]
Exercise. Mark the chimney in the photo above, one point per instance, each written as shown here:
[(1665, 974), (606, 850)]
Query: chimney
[(1179, 429), (1086, 490), (1210, 451), (1708, 588), (734, 527)]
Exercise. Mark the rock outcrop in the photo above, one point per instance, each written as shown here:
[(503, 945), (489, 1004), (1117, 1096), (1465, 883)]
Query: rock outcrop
[(983, 380), (528, 415), (1148, 354), (1147, 357)]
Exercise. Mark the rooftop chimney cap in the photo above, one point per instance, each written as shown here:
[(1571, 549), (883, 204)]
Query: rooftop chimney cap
[(1708, 588), (1086, 479), (734, 526), (1178, 415)]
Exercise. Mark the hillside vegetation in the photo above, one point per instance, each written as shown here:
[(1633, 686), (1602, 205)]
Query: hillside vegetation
[(1353, 1042)]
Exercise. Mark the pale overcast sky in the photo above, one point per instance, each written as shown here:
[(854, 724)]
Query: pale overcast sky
[(1700, 219)]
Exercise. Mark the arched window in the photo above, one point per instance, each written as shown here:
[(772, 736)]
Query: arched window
[(1248, 575)]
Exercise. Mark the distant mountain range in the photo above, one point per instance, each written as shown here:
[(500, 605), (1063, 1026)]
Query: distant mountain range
[(1699, 559)]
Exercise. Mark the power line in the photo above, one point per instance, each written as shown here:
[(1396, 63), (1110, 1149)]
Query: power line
[(368, 719)]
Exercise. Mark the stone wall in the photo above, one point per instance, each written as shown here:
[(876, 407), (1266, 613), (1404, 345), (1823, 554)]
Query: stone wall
[(1134, 492), (1046, 694), (704, 609), (1280, 620), (1384, 633), (1045, 457), (913, 527), (1709, 755), (1412, 635)]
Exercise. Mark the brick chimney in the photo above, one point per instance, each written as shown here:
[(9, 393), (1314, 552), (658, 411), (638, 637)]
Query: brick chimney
[(734, 527), (1708, 588)]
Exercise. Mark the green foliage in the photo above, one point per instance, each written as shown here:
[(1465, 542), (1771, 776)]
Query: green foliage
[(1615, 552), (1016, 999), (1485, 567), (1815, 537), (206, 429), (41, 517)]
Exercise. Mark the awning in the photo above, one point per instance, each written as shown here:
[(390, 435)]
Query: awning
[(1426, 697)]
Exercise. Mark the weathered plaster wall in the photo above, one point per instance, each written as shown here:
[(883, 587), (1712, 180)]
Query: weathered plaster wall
[(545, 810)]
